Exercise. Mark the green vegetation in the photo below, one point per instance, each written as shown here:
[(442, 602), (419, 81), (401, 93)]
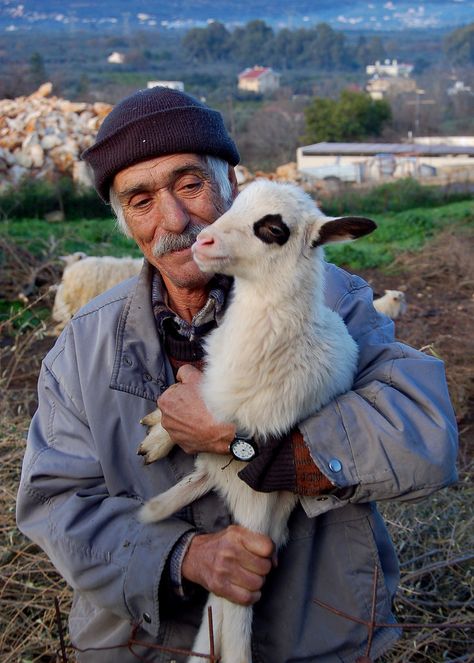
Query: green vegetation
[(407, 213), (38, 73), (98, 236), (398, 232), (459, 46), (319, 47), (396, 196), (35, 198), (354, 116), (22, 319)]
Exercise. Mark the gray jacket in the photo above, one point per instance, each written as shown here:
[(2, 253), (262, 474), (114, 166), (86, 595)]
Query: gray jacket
[(394, 436)]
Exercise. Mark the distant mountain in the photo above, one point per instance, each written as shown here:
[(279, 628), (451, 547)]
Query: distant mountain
[(120, 16)]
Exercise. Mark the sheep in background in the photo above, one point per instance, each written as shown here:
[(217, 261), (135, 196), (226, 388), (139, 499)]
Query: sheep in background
[(85, 277), (71, 258), (392, 303), (294, 357)]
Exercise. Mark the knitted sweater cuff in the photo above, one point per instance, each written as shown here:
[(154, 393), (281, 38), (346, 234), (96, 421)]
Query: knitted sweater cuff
[(285, 464), (180, 586)]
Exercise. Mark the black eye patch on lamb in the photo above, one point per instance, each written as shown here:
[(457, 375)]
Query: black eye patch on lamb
[(271, 229)]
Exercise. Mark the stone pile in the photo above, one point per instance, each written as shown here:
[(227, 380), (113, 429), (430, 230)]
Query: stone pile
[(288, 172), (43, 136)]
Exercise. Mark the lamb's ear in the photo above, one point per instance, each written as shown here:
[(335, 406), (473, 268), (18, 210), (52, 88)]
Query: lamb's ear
[(342, 229)]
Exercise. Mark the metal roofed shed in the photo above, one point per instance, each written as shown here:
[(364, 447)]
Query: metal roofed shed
[(362, 162)]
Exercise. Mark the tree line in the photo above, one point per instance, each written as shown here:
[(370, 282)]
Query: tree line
[(320, 47)]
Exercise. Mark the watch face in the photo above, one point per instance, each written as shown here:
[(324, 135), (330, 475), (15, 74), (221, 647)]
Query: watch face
[(242, 449)]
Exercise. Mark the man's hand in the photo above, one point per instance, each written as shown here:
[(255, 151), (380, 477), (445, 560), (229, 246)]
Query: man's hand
[(232, 563), (186, 418)]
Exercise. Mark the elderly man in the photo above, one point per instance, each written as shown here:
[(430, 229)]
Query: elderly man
[(165, 162)]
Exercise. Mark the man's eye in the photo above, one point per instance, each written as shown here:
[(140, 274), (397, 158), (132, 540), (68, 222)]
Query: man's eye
[(138, 203), (191, 186)]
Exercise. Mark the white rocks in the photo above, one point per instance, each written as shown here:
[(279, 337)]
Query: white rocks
[(51, 140), (43, 136)]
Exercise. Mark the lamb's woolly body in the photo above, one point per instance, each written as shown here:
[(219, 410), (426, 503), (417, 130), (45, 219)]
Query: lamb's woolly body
[(86, 278), (289, 357), (279, 355)]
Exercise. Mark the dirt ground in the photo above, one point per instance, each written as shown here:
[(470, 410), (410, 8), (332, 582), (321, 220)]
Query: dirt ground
[(439, 287)]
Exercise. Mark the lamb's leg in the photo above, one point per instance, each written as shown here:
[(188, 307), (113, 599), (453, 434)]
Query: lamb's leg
[(189, 489), (266, 514), (236, 633), (202, 643), (278, 525), (157, 443)]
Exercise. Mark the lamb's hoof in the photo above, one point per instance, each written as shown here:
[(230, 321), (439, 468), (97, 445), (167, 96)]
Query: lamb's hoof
[(149, 452), (156, 445), (152, 418)]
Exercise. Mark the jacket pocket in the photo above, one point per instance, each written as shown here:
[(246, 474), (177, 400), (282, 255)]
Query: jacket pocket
[(328, 560)]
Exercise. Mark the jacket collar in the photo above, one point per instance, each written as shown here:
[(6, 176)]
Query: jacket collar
[(140, 367)]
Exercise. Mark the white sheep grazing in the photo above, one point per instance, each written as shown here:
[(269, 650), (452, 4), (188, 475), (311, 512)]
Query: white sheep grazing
[(86, 277), (279, 355), (392, 303)]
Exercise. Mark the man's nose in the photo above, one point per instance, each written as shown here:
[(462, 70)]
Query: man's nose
[(174, 215)]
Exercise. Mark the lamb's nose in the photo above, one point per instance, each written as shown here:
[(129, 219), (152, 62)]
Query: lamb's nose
[(204, 240)]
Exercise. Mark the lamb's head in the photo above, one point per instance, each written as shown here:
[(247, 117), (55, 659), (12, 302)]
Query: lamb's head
[(399, 301), (395, 295), (271, 225)]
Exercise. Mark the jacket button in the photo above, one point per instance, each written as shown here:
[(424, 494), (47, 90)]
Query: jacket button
[(147, 377), (127, 361), (335, 465), (146, 617)]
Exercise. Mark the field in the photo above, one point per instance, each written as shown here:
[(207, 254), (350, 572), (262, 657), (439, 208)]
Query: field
[(427, 252)]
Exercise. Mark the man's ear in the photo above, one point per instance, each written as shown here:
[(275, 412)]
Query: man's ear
[(341, 229)]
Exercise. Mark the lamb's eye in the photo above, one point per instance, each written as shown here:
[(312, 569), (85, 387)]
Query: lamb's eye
[(271, 229), (276, 231)]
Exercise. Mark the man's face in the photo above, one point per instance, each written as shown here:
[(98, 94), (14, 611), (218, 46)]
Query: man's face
[(166, 201)]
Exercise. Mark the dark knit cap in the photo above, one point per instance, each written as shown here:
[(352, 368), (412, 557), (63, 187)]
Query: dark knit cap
[(152, 123)]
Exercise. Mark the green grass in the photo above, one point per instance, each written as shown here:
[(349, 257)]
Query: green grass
[(398, 232), (397, 196), (34, 199), (93, 236), (21, 319)]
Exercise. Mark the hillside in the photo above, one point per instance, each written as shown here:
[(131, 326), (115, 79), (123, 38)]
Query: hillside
[(126, 14)]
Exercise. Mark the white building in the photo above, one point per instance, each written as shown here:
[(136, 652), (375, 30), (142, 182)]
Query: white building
[(389, 78), (459, 88), (259, 79), (116, 58), (389, 68), (360, 162)]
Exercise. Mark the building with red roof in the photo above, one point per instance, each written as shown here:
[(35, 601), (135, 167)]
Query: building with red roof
[(257, 79)]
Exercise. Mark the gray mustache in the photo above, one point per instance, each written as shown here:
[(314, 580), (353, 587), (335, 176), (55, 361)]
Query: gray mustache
[(172, 242)]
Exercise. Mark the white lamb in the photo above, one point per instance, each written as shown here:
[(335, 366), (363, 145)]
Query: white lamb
[(278, 357), (86, 277), (392, 303)]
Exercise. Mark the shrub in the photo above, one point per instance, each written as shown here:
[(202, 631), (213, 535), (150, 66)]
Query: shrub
[(390, 197), (34, 198)]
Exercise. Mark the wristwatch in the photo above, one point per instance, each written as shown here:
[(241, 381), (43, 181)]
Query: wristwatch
[(243, 448)]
